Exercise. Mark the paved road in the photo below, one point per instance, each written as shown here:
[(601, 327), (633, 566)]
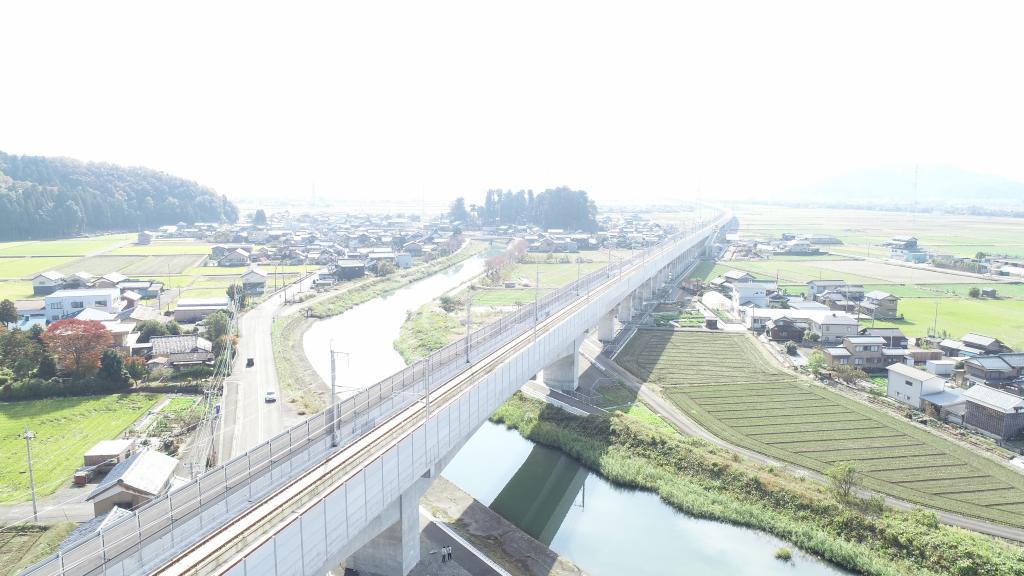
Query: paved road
[(667, 410), (247, 419)]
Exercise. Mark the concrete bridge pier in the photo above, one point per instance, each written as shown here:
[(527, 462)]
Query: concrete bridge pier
[(564, 373), (395, 550), (625, 309), (606, 326)]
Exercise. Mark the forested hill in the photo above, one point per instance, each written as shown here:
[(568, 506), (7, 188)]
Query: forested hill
[(44, 197)]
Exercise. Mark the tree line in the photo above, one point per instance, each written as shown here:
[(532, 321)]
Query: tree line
[(561, 208), (77, 357), (44, 198)]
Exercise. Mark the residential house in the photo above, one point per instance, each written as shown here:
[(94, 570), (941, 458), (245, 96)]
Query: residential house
[(880, 305), (798, 303), (831, 328), (145, 238), (817, 287), (894, 337), (752, 293), (987, 344), (785, 329), (836, 300), (403, 260), (972, 344), (236, 257), (133, 482), (996, 370), (254, 281), (349, 269), (109, 280), (184, 351), (144, 288), (908, 384), (79, 280), (30, 313), (867, 353), (994, 411), (191, 310), (69, 303), (47, 282), (733, 276)]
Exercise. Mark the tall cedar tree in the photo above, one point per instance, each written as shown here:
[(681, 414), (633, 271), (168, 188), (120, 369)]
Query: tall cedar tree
[(78, 344)]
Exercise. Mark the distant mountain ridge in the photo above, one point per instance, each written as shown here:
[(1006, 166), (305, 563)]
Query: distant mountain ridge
[(43, 197), (940, 184)]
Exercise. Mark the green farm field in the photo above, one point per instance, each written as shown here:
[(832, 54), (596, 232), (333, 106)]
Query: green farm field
[(28, 267), (726, 383), (71, 247), (25, 544), (552, 276), (65, 429), (958, 235), (98, 265), (15, 290), (165, 248)]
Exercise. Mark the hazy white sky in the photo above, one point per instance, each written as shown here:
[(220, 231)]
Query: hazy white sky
[(630, 101)]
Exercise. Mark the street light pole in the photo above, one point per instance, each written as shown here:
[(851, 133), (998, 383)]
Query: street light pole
[(31, 479)]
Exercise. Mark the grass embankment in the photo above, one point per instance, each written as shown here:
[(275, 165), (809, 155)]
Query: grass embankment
[(425, 331), (733, 390), (25, 544), (294, 373), (701, 480), (386, 284), (65, 429)]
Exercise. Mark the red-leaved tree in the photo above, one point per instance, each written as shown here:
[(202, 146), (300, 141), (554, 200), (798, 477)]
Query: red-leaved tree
[(78, 344)]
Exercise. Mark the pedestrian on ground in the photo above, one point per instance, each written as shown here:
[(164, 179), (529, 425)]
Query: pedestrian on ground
[(444, 554), (450, 552)]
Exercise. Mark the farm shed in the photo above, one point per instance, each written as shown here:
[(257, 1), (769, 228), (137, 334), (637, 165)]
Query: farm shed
[(133, 482), (994, 411)]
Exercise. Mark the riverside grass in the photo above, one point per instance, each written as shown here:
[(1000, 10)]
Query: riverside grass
[(702, 480), (386, 284)]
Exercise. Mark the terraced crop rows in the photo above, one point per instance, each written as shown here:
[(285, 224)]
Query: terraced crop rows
[(728, 384)]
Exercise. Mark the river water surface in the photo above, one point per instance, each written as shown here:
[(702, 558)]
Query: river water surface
[(605, 529), (366, 333)]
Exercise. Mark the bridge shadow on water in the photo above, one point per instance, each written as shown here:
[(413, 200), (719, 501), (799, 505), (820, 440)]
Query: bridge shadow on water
[(539, 495)]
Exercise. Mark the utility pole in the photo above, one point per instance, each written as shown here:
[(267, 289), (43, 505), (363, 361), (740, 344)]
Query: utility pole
[(31, 479), (935, 322), (334, 393), (469, 321), (536, 304)]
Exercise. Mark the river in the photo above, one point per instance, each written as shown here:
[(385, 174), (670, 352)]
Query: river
[(366, 333), (605, 529)]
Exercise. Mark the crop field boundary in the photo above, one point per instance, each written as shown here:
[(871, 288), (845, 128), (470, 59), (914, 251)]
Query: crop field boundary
[(726, 382)]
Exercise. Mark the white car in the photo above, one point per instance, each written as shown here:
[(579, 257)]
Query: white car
[(270, 396)]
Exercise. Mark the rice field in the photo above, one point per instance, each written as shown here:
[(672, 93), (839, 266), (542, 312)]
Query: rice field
[(26, 268), (726, 383), (162, 264), (862, 230), (69, 247)]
